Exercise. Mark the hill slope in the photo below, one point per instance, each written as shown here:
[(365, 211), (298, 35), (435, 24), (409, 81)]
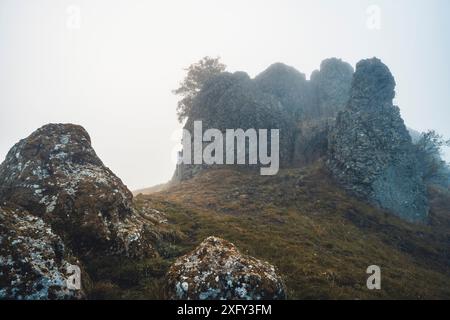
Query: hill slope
[(320, 239)]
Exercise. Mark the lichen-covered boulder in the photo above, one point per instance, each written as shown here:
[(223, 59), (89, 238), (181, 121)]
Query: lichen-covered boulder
[(234, 101), (55, 174), (217, 270), (34, 263), (370, 150), (291, 88), (311, 142)]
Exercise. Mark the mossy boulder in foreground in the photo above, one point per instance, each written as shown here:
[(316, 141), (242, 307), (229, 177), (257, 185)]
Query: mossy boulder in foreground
[(217, 270)]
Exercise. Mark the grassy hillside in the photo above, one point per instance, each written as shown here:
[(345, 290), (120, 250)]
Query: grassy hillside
[(320, 239)]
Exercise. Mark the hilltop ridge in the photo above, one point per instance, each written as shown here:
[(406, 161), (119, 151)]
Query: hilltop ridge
[(343, 116)]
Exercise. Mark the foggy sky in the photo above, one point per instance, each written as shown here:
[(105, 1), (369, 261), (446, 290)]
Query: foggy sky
[(113, 70)]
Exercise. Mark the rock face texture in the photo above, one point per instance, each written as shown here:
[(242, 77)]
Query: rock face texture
[(291, 88), (321, 97), (370, 149), (281, 98), (331, 85), (312, 104), (311, 141), (234, 101), (217, 270), (56, 175), (33, 260)]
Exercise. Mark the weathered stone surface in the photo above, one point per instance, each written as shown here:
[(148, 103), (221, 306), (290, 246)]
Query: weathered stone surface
[(234, 101), (281, 98), (313, 104), (55, 174), (331, 85), (217, 270), (370, 149), (311, 142), (33, 260), (291, 88)]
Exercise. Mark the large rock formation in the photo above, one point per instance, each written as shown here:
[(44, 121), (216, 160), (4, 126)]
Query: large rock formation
[(370, 149), (313, 104), (217, 270), (291, 88), (322, 97), (56, 175), (280, 97), (234, 101), (34, 262), (311, 141)]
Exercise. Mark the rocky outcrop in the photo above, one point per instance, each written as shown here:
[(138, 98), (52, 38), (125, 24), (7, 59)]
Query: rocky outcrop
[(311, 141), (281, 98), (290, 87), (234, 101), (320, 98), (313, 104), (370, 149), (331, 86), (415, 135), (56, 175), (217, 270), (346, 117), (34, 262)]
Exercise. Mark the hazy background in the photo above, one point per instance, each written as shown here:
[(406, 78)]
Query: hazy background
[(113, 70)]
